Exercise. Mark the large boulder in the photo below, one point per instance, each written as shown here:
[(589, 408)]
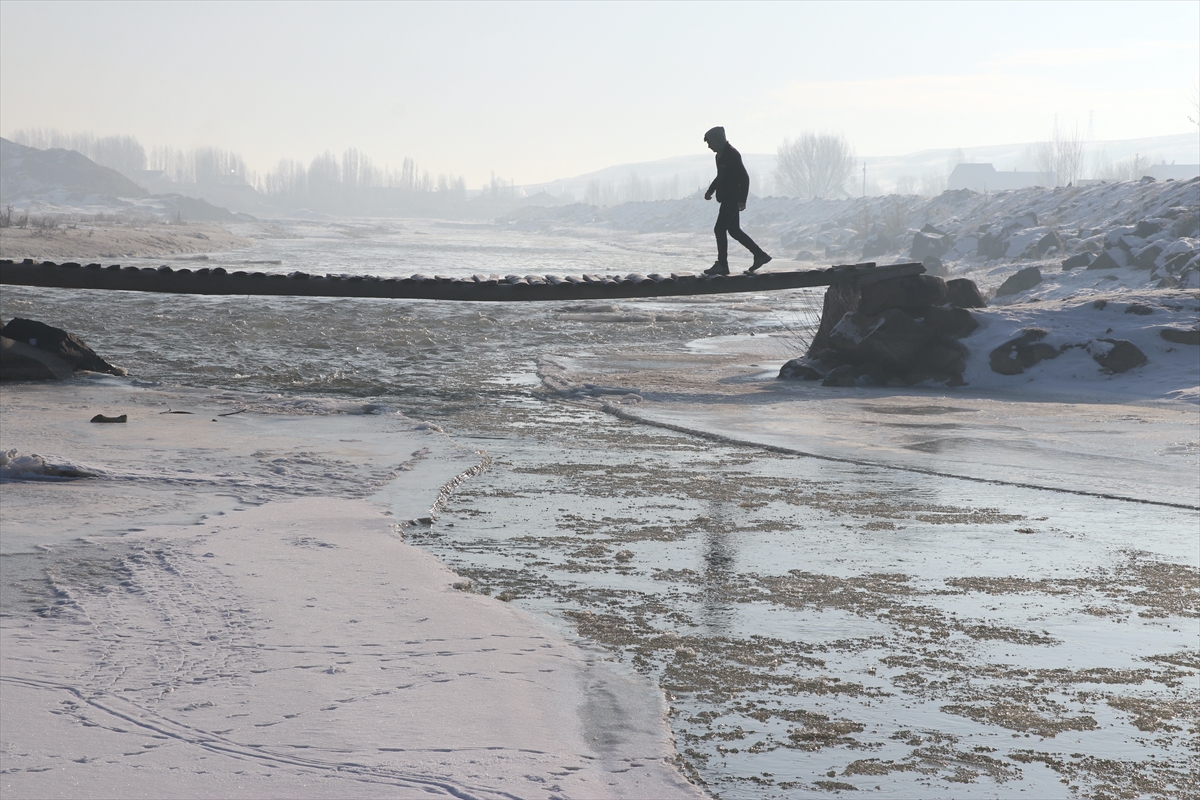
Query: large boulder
[(66, 346), (934, 266), (1027, 220), (1109, 259), (963, 293), (1079, 260), (1146, 257), (1020, 281), (22, 362), (942, 361), (892, 339), (1181, 335), (804, 369), (992, 245), (953, 322), (929, 244), (912, 292), (1116, 355), (876, 245), (1043, 245), (841, 376), (1019, 354), (1147, 228)]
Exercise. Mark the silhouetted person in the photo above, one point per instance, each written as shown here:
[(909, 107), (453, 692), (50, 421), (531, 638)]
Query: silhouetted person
[(732, 187)]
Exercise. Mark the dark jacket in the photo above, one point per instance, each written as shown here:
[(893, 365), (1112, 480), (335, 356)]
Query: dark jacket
[(732, 184)]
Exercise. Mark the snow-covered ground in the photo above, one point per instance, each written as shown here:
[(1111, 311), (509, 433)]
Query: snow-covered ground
[(228, 608)]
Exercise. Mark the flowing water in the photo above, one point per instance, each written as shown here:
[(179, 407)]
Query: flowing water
[(817, 626)]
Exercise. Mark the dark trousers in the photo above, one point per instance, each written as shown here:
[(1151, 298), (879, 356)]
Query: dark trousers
[(728, 223)]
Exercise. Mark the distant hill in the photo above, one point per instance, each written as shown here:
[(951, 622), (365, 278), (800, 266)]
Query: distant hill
[(1173, 156), (59, 180), (26, 173)]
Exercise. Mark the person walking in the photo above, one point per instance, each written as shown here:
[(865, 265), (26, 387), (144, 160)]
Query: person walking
[(732, 187)]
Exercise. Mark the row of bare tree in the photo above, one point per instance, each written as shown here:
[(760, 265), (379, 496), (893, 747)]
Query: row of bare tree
[(324, 175)]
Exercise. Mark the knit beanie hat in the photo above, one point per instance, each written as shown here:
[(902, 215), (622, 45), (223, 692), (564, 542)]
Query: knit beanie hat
[(716, 136)]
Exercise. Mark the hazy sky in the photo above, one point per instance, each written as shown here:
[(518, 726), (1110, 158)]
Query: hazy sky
[(538, 91)]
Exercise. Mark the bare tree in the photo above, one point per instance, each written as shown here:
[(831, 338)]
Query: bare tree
[(906, 184), (814, 165), (1131, 169), (122, 153), (1060, 160), (932, 183), (1195, 102)]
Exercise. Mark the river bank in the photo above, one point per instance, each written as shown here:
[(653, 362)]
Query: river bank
[(204, 617), (71, 241)]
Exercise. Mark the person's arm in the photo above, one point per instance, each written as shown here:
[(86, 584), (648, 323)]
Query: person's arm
[(712, 187), (743, 182)]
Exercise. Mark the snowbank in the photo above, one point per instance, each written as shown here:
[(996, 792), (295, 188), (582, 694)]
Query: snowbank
[(293, 646)]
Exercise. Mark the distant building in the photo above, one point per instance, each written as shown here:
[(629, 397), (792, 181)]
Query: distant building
[(1179, 172), (985, 178)]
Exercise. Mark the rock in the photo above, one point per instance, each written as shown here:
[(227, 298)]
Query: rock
[(992, 246), (1106, 260), (892, 339), (933, 266), (803, 369), (21, 362), (876, 246), (1181, 335), (941, 362), (842, 376), (1020, 281), (120, 420), (1043, 245), (929, 244), (1146, 257), (952, 322), (910, 292), (804, 255), (1146, 179), (963, 293), (67, 346), (1019, 354), (1141, 309), (1027, 220), (1116, 355), (1081, 260), (1174, 263), (1147, 228), (1130, 243), (1114, 235), (927, 228), (873, 373), (839, 301), (1100, 305)]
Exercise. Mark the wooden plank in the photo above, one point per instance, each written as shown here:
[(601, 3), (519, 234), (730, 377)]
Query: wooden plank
[(529, 288)]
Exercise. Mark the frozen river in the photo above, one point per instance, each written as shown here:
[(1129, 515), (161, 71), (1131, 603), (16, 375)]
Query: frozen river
[(912, 593)]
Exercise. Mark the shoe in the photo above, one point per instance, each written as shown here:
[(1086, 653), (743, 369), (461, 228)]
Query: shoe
[(759, 260), (718, 268)]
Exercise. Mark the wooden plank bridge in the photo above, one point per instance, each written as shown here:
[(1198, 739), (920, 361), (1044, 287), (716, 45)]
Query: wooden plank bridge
[(479, 288)]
